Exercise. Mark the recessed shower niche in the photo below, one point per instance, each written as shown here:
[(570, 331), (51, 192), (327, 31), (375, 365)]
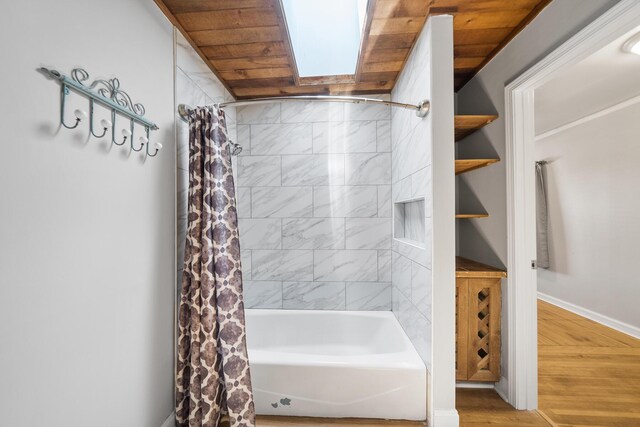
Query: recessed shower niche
[(408, 222)]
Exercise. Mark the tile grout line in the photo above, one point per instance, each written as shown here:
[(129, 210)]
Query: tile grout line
[(344, 219)]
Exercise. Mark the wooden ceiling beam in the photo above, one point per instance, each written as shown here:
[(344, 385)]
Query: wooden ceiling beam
[(380, 67), (486, 36), (236, 36), (246, 43), (469, 63), (185, 6), (385, 55), (412, 24), (483, 20), (260, 73), (244, 50), (227, 19), (250, 63), (473, 50), (327, 80), (486, 5), (260, 83), (383, 77), (391, 41), (401, 8)]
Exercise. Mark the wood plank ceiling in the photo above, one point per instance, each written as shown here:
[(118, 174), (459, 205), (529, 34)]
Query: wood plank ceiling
[(246, 42)]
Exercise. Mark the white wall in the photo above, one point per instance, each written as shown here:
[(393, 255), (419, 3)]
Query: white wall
[(195, 85), (314, 205), (86, 233), (485, 239), (588, 87), (593, 204), (422, 168), (444, 233)]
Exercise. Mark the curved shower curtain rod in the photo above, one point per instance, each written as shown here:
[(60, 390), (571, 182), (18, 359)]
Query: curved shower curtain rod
[(422, 109)]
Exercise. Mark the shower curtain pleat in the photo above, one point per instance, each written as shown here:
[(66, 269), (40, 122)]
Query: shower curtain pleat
[(542, 218), (213, 380)]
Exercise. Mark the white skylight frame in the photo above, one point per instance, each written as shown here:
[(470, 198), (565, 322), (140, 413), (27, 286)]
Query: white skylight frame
[(325, 35)]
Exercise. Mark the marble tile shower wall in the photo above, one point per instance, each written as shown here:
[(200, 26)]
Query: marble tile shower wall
[(314, 201), (195, 85), (412, 180)]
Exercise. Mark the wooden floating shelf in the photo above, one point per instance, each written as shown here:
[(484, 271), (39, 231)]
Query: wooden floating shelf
[(463, 216), (466, 125), (466, 165), (468, 268)]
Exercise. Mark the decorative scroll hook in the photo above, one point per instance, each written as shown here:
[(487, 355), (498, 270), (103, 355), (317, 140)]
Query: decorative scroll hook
[(142, 140), (64, 91), (105, 123), (157, 145), (113, 130)]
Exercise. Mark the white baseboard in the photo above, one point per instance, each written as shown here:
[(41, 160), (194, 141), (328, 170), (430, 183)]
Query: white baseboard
[(592, 315), (502, 388), (469, 384), (170, 421), (446, 418)]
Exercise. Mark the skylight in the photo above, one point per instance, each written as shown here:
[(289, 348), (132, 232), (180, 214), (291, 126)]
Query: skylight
[(325, 35)]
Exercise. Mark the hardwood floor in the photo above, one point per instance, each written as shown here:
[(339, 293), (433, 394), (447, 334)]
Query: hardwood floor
[(483, 407), (589, 375)]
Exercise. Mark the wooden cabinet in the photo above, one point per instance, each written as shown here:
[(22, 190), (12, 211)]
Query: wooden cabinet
[(478, 301)]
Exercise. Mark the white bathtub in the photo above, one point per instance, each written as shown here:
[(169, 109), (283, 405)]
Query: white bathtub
[(334, 364)]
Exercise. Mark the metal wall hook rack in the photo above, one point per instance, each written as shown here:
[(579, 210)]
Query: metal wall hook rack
[(108, 94)]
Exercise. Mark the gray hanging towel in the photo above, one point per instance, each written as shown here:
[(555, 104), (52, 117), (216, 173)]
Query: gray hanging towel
[(542, 218)]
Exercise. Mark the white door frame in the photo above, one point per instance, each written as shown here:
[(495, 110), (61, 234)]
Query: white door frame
[(522, 386)]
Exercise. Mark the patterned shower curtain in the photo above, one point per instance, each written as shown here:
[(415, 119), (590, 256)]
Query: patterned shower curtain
[(213, 383)]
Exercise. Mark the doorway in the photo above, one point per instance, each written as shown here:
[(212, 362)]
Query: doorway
[(620, 21)]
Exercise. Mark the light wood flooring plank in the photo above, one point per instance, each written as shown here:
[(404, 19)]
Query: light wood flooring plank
[(589, 374), (482, 407)]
